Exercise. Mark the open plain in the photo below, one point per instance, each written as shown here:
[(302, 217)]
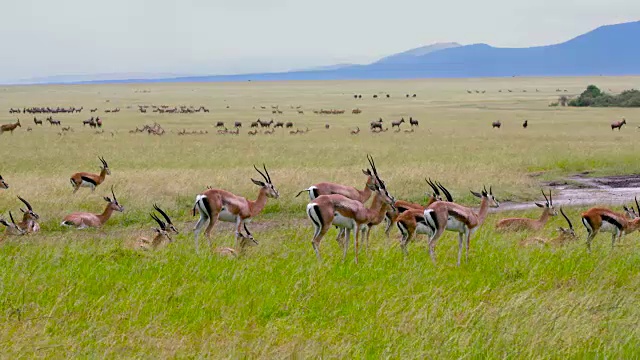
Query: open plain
[(91, 293)]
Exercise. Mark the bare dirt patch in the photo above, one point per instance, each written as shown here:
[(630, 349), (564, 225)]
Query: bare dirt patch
[(583, 190)]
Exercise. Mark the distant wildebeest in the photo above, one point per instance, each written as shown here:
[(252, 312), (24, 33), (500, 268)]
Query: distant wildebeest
[(525, 124), (388, 96), (326, 126), (264, 123), (36, 121), (397, 123), (356, 111), (220, 124), (289, 125), (254, 124), (94, 110), (10, 127), (359, 96), (618, 124), (414, 95), (496, 124), (237, 124), (279, 124), (413, 122), (407, 96), (53, 122), (375, 96), (355, 96), (376, 125)]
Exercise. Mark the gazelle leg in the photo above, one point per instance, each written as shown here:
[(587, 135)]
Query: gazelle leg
[(356, 240), (466, 256), (590, 237), (317, 237), (460, 243), (388, 225), (345, 243), (239, 223), (212, 221)]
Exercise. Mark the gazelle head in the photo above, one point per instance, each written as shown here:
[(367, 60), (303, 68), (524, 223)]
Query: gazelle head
[(18, 123), (631, 212), (567, 232), (436, 191), (113, 204), (487, 195), (29, 212), (380, 186), (548, 205), (167, 224), (162, 230), (3, 184), (267, 184), (104, 166)]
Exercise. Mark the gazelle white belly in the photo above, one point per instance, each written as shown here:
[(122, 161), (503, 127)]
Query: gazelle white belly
[(454, 224), (226, 216), (87, 184), (422, 228), (608, 227), (343, 222)]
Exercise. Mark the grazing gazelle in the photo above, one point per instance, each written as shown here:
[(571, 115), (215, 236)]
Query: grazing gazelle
[(10, 127), (82, 220), (216, 204), (29, 221), (162, 232), (521, 224), (602, 219), (85, 179), (12, 227), (3, 184), (443, 216), (352, 215)]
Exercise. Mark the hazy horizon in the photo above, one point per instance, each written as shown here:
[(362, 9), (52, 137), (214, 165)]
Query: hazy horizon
[(44, 39)]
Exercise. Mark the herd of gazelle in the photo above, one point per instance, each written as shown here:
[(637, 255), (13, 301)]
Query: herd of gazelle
[(343, 207)]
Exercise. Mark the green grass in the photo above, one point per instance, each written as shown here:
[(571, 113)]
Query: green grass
[(92, 294)]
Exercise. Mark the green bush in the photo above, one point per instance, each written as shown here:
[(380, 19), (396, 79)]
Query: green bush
[(593, 96)]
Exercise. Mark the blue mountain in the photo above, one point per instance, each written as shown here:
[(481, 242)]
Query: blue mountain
[(607, 50)]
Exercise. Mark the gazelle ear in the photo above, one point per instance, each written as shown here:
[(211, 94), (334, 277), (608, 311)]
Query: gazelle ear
[(107, 199), (367, 172), (476, 194), (259, 183), (539, 205)]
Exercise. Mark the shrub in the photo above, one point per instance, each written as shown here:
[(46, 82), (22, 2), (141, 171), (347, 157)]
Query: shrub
[(593, 96)]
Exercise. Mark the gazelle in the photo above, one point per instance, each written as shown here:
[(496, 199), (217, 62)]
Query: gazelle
[(29, 223), (564, 236), (402, 206), (216, 204), (82, 220), (602, 219), (85, 179), (3, 184), (231, 252), (162, 232), (327, 210), (443, 216), (630, 211), (12, 227), (521, 224), (10, 127)]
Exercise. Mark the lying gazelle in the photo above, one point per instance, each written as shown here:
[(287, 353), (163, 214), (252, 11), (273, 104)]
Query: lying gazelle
[(3, 184), (401, 206), (231, 252), (29, 223), (521, 224), (564, 236), (606, 220), (162, 232), (82, 220), (465, 221), (216, 204), (12, 227), (335, 209), (84, 179)]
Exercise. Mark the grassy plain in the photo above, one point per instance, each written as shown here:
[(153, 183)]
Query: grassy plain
[(91, 294)]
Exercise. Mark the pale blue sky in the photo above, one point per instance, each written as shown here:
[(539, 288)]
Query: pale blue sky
[(43, 37)]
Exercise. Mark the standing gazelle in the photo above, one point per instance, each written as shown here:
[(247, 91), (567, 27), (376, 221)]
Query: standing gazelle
[(521, 224), (82, 220), (216, 204), (352, 215), (465, 221), (3, 184), (85, 179), (602, 219)]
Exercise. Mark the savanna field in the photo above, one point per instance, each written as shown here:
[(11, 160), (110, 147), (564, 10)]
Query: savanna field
[(92, 294)]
